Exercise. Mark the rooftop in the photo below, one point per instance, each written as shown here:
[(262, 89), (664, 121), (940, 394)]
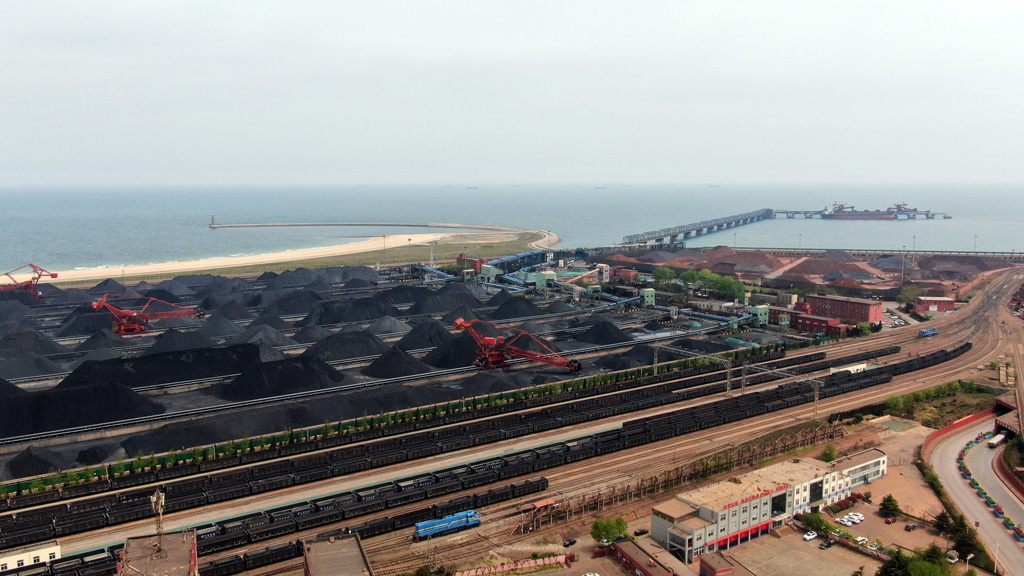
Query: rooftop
[(935, 299), (172, 554), (844, 299), (674, 508), (758, 482), (336, 556), (859, 458), (638, 554), (720, 564)]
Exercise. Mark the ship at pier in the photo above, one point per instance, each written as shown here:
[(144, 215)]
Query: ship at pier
[(847, 212)]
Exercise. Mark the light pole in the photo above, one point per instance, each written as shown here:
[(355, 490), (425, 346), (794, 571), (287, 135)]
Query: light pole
[(734, 240), (975, 242), (903, 262), (799, 241), (969, 556)]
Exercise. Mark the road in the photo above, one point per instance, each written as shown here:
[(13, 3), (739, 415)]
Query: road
[(991, 529)]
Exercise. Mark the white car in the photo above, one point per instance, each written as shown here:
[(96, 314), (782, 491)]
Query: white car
[(855, 515), (810, 535), (861, 540), (844, 522)]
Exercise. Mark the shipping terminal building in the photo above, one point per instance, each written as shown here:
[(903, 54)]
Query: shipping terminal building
[(734, 511)]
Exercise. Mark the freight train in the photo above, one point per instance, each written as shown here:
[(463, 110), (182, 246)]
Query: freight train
[(631, 434), (107, 509), (446, 525)]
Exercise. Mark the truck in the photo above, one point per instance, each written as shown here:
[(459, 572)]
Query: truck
[(996, 440), (927, 332)]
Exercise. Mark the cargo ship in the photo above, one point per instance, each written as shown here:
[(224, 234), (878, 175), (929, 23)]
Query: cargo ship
[(846, 212)]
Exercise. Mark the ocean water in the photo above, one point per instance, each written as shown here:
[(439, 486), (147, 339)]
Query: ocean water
[(67, 228)]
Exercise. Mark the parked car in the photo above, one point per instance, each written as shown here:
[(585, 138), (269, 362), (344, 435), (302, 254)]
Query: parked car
[(910, 527), (844, 522), (569, 542), (890, 520), (861, 540), (826, 544), (856, 515), (640, 532), (810, 535)]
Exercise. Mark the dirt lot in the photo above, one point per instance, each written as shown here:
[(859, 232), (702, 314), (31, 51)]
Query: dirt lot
[(791, 555)]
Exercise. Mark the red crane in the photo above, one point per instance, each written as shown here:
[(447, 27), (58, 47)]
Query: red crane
[(495, 351), (29, 285), (134, 321)]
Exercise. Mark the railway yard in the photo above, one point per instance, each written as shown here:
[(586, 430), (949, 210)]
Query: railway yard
[(343, 400)]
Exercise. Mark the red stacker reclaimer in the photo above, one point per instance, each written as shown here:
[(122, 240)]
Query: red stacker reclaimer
[(134, 321), (31, 285), (495, 351)]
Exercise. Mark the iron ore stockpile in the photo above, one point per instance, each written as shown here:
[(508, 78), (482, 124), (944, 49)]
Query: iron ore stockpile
[(378, 342)]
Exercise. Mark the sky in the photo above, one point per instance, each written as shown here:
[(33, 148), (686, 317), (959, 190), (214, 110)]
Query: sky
[(389, 92)]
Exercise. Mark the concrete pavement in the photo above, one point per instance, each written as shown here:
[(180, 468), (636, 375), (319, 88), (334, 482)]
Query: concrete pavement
[(1000, 541)]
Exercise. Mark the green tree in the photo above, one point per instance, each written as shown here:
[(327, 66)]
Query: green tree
[(943, 523), (864, 328), (908, 295), (608, 529), (830, 453), (858, 572), (895, 404), (889, 507), (818, 523), (897, 565), (663, 274)]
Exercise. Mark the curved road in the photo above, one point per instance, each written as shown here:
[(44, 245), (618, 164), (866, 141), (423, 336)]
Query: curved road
[(979, 459)]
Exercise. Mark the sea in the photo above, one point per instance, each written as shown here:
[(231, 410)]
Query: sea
[(64, 229)]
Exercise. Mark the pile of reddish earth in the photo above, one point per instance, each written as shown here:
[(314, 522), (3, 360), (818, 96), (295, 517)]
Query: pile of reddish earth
[(288, 376), (345, 345), (167, 367), (311, 334), (604, 332), (176, 341), (516, 307), (388, 325), (824, 267), (427, 335), (395, 363), (68, 406)]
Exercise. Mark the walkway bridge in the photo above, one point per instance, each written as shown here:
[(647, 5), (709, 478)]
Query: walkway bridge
[(699, 228)]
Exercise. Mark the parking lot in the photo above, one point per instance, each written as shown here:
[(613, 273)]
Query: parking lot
[(791, 555)]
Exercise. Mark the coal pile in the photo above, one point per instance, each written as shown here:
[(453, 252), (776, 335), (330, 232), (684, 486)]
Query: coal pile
[(15, 326), (428, 335), (92, 456), (143, 287), (653, 326), (436, 302), (19, 296), (166, 367), (175, 287), (70, 296), (266, 276), (345, 345), (27, 365), (388, 325), (222, 286), (558, 307), (8, 389), (84, 321), (176, 341), (402, 294), (233, 310), (532, 343), (395, 363), (217, 428), (66, 407), (516, 307), (318, 286), (362, 310), (263, 335), (454, 354), (175, 323), (298, 374), (217, 326), (163, 295), (468, 288), (357, 283), (500, 298), (271, 320), (111, 286), (290, 302), (11, 311), (103, 338), (97, 355), (460, 312), (311, 334), (702, 346), (604, 332), (36, 461), (32, 342), (204, 279)]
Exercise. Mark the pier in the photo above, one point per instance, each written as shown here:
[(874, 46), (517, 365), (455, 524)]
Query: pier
[(672, 235), (924, 214)]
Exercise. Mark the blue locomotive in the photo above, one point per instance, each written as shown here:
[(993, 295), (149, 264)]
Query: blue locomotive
[(446, 525)]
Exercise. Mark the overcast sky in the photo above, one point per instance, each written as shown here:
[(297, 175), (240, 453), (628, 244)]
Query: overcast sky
[(372, 92)]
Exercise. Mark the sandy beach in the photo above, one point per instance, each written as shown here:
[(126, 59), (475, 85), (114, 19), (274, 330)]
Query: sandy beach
[(368, 245)]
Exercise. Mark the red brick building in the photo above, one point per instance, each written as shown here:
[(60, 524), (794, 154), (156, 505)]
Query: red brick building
[(855, 309), (934, 304), (813, 324), (637, 561)]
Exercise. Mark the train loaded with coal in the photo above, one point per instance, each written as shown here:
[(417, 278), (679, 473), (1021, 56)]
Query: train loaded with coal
[(28, 526)]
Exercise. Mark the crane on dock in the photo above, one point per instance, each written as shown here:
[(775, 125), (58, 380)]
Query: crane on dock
[(31, 285), (134, 321), (496, 351)]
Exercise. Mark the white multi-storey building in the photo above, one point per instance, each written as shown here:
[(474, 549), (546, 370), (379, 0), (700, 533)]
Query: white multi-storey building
[(736, 510)]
